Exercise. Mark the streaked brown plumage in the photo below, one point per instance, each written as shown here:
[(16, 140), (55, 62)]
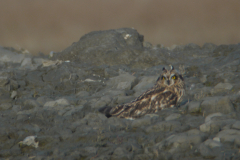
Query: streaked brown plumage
[(166, 93)]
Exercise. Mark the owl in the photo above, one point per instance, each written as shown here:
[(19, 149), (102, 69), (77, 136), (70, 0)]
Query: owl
[(166, 93)]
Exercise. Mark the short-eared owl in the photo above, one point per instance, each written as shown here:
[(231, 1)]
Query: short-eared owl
[(167, 92)]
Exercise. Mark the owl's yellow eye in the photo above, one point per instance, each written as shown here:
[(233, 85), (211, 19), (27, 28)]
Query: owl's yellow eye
[(174, 77), (163, 78)]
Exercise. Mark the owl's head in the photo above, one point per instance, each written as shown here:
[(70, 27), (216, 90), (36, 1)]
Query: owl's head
[(169, 77)]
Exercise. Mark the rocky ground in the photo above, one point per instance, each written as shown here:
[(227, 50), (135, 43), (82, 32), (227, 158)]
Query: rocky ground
[(49, 104)]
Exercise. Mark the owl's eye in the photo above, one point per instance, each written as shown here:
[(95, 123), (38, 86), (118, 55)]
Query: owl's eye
[(163, 78), (174, 77)]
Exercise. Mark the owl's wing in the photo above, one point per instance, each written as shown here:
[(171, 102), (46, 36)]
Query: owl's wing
[(150, 92), (138, 107)]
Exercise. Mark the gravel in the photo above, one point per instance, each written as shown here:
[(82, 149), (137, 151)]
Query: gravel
[(49, 105)]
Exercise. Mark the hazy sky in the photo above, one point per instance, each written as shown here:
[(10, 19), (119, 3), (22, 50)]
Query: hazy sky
[(44, 26)]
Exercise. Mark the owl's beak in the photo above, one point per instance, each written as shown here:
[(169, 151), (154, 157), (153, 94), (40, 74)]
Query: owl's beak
[(168, 82)]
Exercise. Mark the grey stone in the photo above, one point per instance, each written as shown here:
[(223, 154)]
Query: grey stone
[(122, 82), (29, 141), (82, 94), (215, 122), (203, 79), (42, 100), (38, 61), (236, 125), (27, 62), (115, 123), (58, 104), (90, 150), (145, 83), (121, 153), (194, 107), (13, 94), (164, 126), (16, 108), (228, 136), (173, 117), (64, 109), (30, 103), (32, 128), (8, 56), (217, 104), (3, 81), (143, 156), (124, 99), (141, 122), (103, 101), (5, 106), (212, 143), (73, 110), (115, 93), (206, 152), (94, 120), (223, 86), (112, 47), (237, 142), (182, 141)]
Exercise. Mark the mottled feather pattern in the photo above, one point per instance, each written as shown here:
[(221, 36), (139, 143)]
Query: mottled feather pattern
[(167, 92)]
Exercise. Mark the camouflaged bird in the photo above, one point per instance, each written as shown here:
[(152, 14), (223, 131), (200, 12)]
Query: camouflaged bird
[(166, 93)]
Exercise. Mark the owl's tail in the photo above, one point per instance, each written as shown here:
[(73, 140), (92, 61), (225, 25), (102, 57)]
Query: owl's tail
[(106, 111)]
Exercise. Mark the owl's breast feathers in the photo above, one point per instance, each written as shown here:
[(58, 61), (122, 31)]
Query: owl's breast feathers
[(150, 101)]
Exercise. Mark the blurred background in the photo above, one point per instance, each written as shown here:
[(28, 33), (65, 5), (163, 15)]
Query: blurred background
[(44, 26)]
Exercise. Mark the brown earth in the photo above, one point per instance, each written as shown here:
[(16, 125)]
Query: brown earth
[(44, 26)]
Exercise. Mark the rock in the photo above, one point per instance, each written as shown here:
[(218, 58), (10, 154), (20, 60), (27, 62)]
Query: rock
[(228, 136), (29, 141), (90, 150), (236, 125), (203, 79), (182, 142), (121, 153), (145, 84), (42, 100), (72, 111), (212, 143), (5, 106), (3, 81), (13, 94), (141, 122), (215, 122), (82, 94), (124, 99), (223, 86), (122, 82), (93, 119), (173, 117), (217, 104), (115, 124), (194, 107), (8, 56), (164, 126), (27, 63), (30, 104), (143, 157), (122, 44), (38, 61), (103, 101), (209, 117), (207, 152), (58, 104)]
